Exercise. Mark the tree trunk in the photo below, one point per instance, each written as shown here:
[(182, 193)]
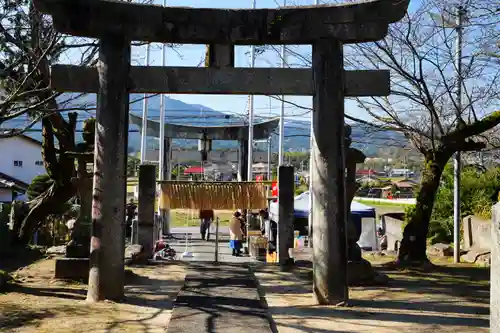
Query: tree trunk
[(60, 168), (414, 243)]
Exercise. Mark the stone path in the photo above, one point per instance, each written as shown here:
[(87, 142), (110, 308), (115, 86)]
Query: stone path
[(219, 298)]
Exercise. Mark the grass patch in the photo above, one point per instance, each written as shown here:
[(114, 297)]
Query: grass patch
[(189, 218), (382, 203)]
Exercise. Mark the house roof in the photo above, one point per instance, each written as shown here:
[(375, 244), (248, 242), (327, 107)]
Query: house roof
[(194, 169), (8, 181), (30, 139), (405, 183), (366, 172), (27, 138)]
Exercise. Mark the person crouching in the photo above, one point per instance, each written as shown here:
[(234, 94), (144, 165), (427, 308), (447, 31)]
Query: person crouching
[(235, 233)]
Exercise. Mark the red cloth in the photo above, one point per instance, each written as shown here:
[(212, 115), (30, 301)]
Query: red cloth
[(159, 245)]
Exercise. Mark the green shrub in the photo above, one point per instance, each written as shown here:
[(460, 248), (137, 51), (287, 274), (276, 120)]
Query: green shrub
[(38, 185), (478, 193), (409, 210), (301, 189)]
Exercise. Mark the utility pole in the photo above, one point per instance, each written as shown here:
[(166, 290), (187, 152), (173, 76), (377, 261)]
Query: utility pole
[(164, 167), (282, 111), (250, 116), (310, 217), (144, 128), (456, 159), (269, 158), (161, 156)]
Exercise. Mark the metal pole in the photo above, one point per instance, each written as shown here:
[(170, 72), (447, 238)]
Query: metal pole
[(269, 158), (250, 116), (456, 159), (310, 217), (282, 111), (164, 169), (250, 133), (217, 239), (161, 158), (145, 115)]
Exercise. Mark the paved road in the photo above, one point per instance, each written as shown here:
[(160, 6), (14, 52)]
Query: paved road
[(196, 230), (219, 299)]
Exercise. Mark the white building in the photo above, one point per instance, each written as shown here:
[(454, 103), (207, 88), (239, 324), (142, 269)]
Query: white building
[(21, 161)]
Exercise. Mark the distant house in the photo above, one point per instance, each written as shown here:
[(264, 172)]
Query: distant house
[(400, 189), (11, 188), (401, 173), (367, 172), (259, 169), (21, 162), (368, 180)]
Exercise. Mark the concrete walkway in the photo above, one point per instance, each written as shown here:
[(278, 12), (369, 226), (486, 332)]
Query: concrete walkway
[(219, 298), (204, 251)]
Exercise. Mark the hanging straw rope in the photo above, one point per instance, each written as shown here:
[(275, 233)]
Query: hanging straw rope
[(212, 195)]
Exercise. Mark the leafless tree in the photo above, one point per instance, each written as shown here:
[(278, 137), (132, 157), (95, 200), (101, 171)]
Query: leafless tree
[(420, 53), (29, 45)]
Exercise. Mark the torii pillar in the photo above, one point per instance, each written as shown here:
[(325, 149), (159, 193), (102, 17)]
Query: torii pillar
[(328, 174), (167, 175)]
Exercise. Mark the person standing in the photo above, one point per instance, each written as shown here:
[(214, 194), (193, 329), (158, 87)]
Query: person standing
[(131, 211), (236, 234), (206, 218)]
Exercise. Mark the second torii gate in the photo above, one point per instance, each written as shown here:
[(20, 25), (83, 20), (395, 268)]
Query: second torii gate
[(326, 27)]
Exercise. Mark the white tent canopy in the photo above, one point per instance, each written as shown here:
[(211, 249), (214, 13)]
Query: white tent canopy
[(362, 215)]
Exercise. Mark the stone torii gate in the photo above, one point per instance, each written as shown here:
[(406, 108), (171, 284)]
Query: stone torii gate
[(326, 27), (176, 131), (224, 132)]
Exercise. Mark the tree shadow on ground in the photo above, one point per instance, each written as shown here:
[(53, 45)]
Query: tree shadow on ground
[(19, 256), (312, 312), (410, 297), (15, 316), (147, 303), (219, 298)]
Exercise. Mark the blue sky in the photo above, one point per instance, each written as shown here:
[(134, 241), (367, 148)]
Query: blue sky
[(193, 55)]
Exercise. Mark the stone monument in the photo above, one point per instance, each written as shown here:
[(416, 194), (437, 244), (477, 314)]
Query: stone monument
[(359, 270), (495, 271), (75, 265)]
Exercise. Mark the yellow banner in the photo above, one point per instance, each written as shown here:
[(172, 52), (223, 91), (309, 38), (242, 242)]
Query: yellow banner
[(212, 195)]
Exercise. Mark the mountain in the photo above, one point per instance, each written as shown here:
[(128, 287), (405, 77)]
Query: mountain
[(177, 112)]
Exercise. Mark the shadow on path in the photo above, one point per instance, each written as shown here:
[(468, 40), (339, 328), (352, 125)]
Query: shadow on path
[(221, 298)]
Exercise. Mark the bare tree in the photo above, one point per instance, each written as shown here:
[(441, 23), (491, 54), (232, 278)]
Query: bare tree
[(28, 46), (420, 51), (423, 105)]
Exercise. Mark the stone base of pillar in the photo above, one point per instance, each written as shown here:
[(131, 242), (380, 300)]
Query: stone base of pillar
[(495, 270), (146, 239), (361, 273), (165, 219)]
